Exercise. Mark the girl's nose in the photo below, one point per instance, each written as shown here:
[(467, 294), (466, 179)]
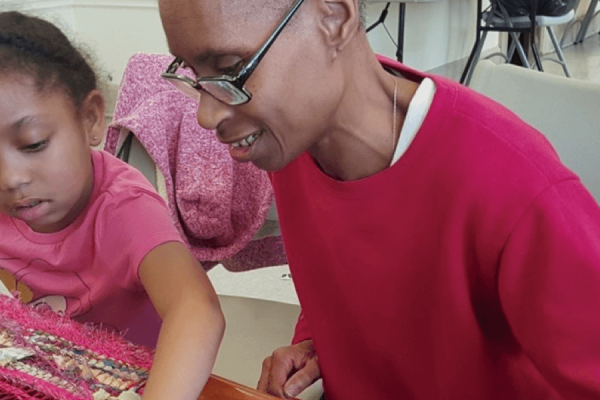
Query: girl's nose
[(211, 111), (12, 175)]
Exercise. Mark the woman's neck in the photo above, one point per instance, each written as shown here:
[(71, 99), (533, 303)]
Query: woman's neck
[(361, 139)]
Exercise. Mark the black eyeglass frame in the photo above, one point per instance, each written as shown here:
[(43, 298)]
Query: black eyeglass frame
[(235, 85)]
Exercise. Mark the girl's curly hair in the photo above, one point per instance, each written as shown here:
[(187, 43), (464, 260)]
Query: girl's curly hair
[(35, 47)]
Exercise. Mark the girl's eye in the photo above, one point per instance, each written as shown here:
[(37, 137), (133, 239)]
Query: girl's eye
[(35, 147)]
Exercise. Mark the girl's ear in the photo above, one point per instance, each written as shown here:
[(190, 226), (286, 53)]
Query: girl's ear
[(93, 117)]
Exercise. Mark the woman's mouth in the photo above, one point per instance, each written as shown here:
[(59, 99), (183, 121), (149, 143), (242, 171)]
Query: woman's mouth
[(247, 141), (240, 150)]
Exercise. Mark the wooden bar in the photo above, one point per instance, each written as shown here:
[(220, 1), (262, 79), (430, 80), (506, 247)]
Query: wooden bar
[(218, 388)]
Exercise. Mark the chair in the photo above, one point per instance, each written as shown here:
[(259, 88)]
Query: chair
[(589, 15), (401, 16), (564, 110), (496, 18)]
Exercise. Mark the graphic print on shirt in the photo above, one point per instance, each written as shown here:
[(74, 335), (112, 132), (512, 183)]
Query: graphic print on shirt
[(37, 283)]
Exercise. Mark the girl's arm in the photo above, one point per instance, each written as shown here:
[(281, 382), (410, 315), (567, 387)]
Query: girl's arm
[(193, 324)]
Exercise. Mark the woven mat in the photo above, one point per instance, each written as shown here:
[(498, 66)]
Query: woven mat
[(45, 356)]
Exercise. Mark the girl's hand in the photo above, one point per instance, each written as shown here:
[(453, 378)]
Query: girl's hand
[(193, 324)]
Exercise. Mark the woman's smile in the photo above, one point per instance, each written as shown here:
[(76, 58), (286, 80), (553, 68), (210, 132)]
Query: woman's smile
[(241, 149)]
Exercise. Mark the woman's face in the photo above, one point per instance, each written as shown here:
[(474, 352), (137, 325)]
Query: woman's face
[(293, 95), (46, 176)]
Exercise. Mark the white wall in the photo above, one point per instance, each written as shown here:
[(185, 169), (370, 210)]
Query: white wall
[(111, 29), (436, 33), (119, 28), (60, 12)]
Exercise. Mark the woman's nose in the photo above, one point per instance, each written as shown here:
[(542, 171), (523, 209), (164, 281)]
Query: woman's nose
[(211, 111)]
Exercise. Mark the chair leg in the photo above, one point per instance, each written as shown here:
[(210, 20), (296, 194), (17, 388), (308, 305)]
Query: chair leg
[(401, 17), (517, 43), (511, 50), (478, 32), (559, 52), (476, 53), (536, 55), (520, 50), (470, 61), (480, 36), (586, 21)]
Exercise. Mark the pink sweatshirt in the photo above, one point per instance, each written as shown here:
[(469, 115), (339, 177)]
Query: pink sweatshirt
[(470, 269)]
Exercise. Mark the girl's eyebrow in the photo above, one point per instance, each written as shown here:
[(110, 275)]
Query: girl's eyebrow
[(16, 128), (27, 120)]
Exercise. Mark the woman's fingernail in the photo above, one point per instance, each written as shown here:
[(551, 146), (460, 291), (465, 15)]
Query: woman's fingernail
[(291, 390)]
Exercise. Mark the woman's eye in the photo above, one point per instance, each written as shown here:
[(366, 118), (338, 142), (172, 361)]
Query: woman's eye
[(232, 70), (186, 67), (38, 146)]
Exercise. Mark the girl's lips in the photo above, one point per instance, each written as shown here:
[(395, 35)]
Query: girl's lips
[(32, 210)]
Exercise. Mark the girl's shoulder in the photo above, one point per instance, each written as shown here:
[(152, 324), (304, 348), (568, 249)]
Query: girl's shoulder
[(117, 178)]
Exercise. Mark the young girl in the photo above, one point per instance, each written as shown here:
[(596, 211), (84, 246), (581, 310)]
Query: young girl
[(83, 232)]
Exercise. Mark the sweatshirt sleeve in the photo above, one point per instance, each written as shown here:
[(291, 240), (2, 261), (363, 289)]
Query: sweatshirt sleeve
[(549, 288), (302, 331)]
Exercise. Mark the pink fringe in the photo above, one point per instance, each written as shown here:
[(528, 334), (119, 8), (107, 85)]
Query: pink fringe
[(28, 387), (108, 344), (21, 320)]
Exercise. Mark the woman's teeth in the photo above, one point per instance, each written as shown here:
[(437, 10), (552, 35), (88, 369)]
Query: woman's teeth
[(246, 141)]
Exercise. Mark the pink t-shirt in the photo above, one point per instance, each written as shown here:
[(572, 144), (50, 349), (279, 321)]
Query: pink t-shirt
[(89, 270)]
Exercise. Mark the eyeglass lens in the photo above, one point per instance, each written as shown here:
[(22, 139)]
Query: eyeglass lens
[(185, 88), (225, 92)]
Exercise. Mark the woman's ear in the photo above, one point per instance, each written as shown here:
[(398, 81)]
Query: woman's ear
[(339, 22), (93, 117)]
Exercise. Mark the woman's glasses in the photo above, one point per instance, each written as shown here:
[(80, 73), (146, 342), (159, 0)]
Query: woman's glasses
[(227, 89)]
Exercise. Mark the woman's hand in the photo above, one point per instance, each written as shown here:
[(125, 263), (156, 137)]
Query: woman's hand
[(290, 370)]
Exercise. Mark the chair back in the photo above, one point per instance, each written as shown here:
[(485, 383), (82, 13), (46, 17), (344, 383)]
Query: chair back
[(565, 110)]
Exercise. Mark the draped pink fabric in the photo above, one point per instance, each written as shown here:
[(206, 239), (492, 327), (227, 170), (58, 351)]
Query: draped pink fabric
[(217, 203)]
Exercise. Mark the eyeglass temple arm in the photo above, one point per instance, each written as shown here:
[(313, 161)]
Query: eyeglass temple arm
[(262, 51), (174, 66)]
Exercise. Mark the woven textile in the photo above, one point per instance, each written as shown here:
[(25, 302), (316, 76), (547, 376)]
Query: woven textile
[(45, 356)]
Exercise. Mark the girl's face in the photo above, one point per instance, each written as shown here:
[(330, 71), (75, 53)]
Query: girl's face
[(46, 174)]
